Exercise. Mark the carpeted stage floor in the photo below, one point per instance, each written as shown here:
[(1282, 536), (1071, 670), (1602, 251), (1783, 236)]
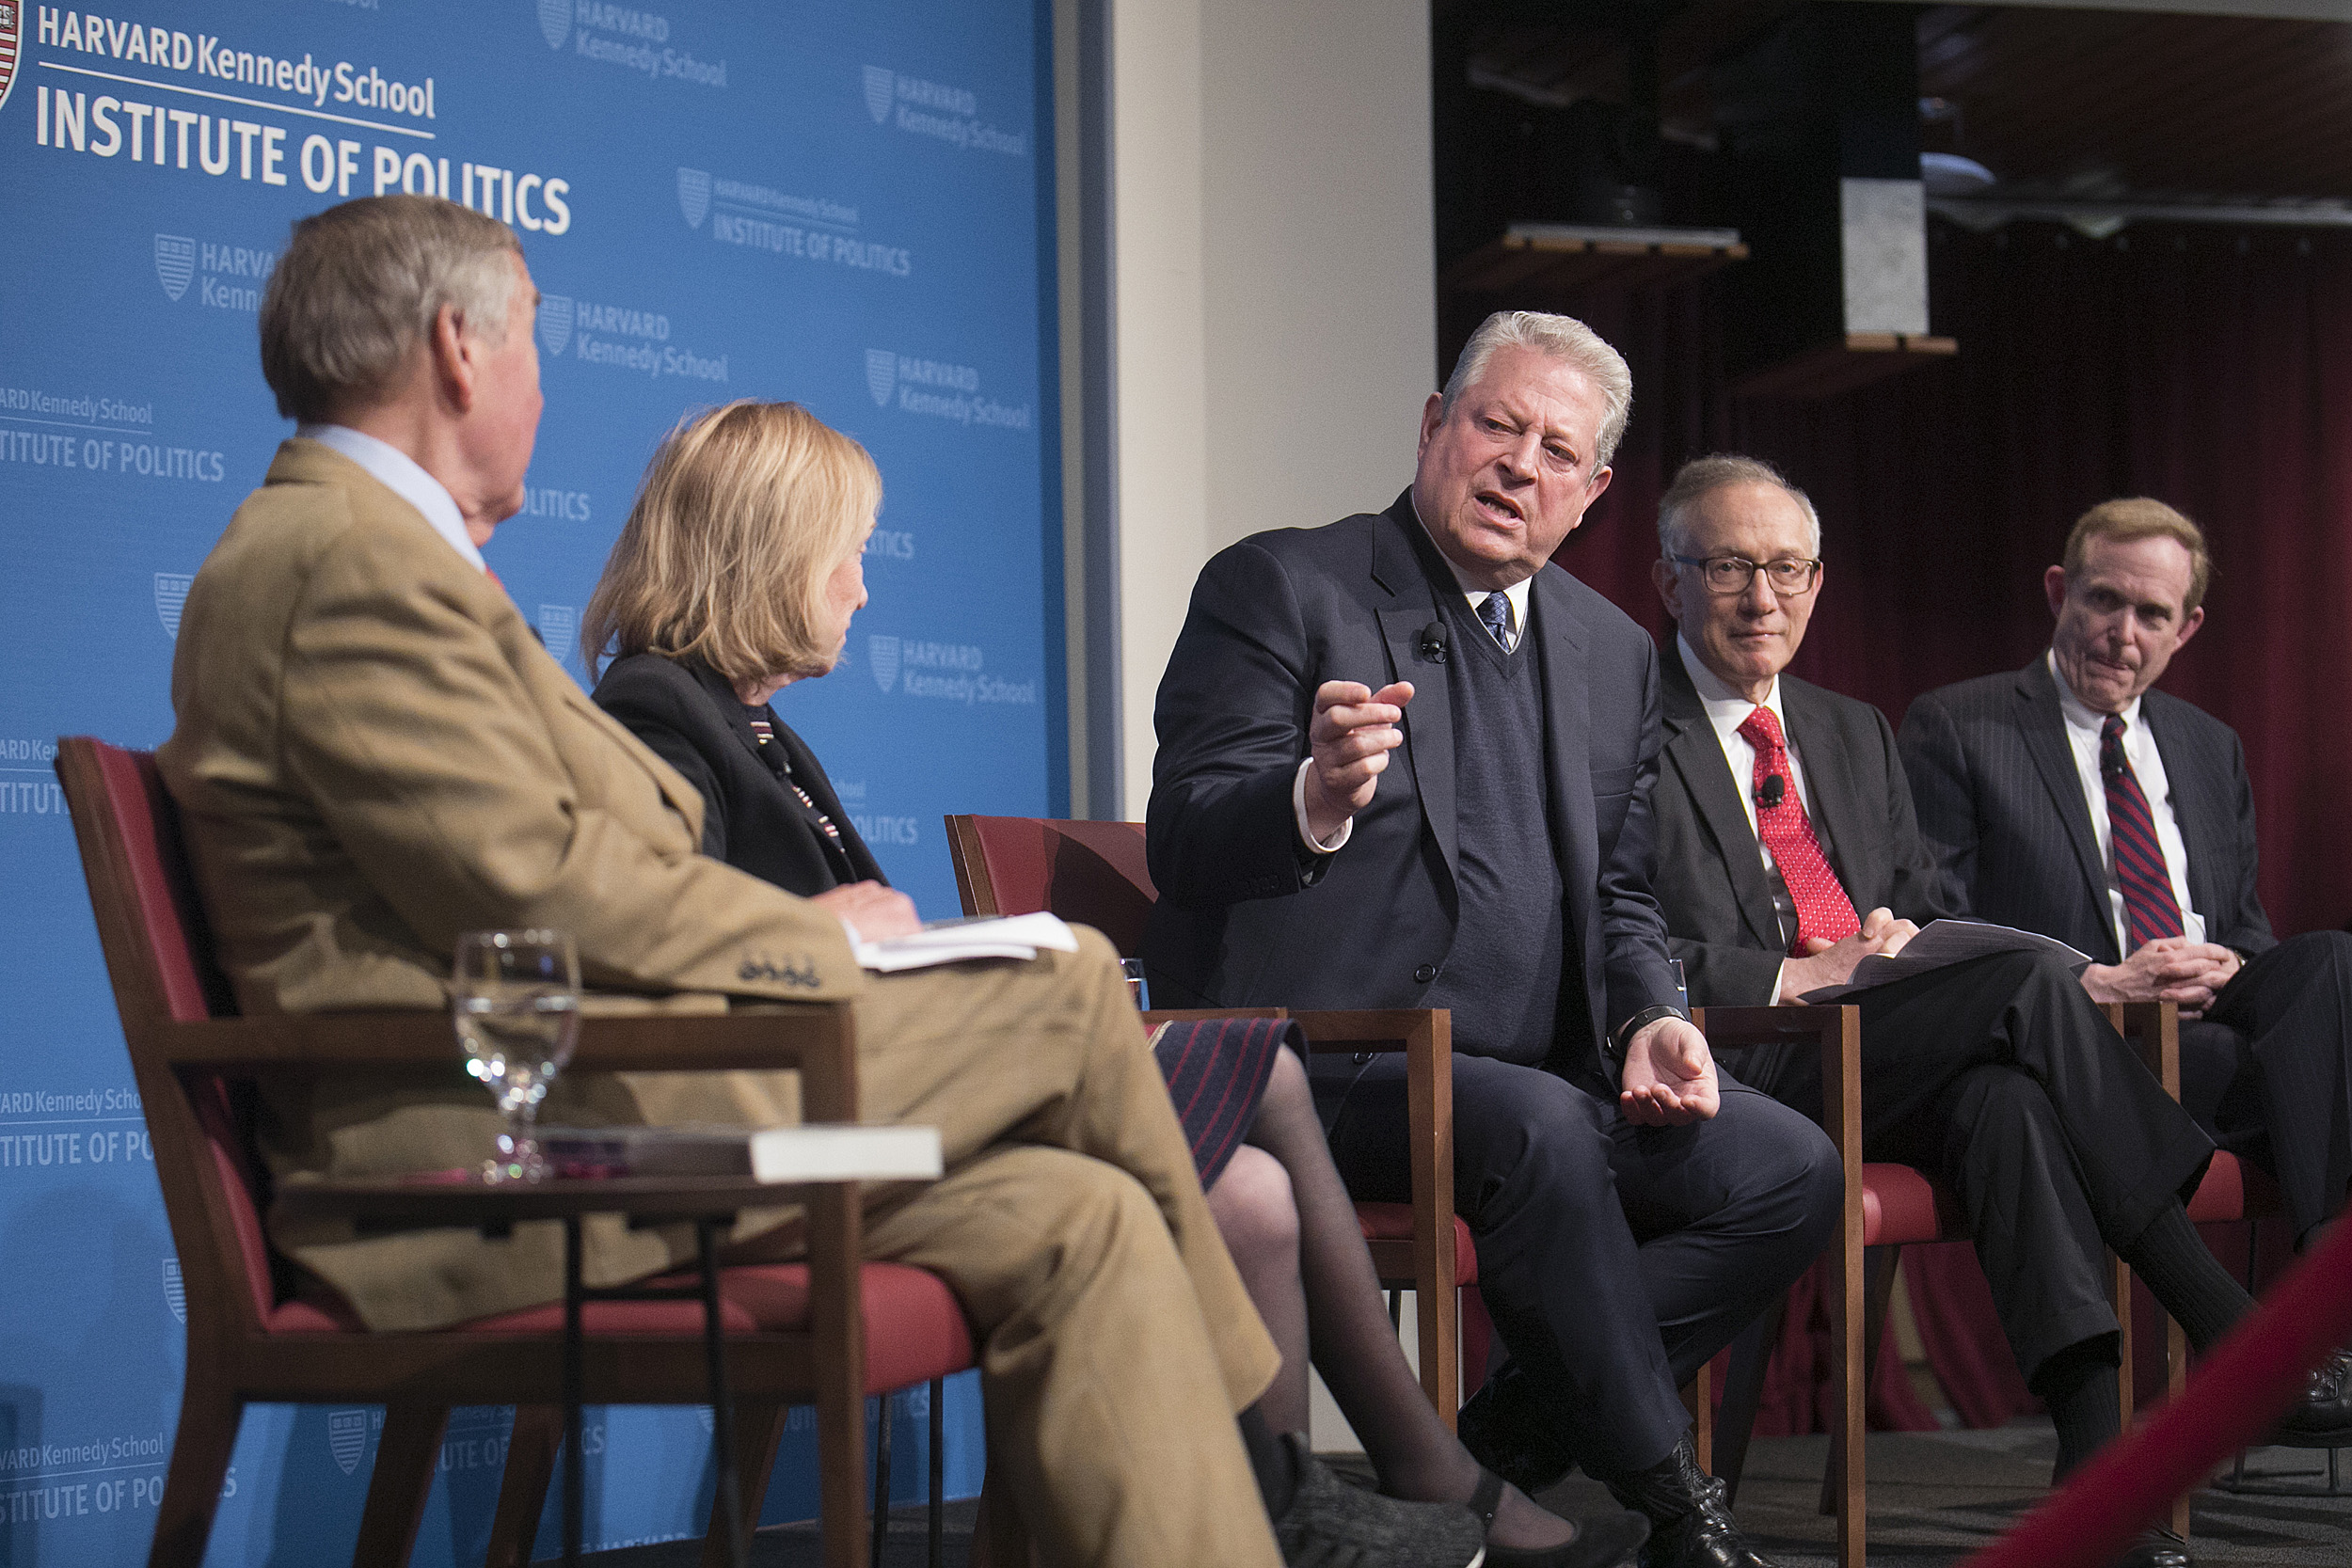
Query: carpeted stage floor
[(1935, 1498)]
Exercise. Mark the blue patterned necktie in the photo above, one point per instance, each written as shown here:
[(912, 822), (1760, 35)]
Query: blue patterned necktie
[(1494, 614)]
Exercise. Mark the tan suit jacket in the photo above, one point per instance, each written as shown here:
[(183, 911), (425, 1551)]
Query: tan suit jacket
[(374, 754)]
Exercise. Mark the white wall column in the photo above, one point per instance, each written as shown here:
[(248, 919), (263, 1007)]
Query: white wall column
[(1274, 289)]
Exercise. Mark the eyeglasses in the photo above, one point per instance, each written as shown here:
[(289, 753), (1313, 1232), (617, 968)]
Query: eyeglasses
[(1732, 573)]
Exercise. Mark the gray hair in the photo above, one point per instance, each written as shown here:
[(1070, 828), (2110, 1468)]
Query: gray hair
[(1562, 338), (357, 291), (1702, 477)]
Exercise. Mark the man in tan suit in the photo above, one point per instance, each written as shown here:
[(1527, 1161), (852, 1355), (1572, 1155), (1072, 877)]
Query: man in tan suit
[(374, 754)]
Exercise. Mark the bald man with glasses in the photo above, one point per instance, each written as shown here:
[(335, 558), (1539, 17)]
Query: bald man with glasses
[(1788, 852)]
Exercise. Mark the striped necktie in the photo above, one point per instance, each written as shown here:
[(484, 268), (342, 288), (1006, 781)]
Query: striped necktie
[(2149, 910)]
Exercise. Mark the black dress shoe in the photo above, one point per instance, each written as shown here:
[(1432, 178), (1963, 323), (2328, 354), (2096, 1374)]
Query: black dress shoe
[(1505, 1432), (1689, 1525), (2321, 1418), (2156, 1547)]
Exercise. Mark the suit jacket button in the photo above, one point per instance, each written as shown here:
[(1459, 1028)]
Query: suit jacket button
[(1425, 973)]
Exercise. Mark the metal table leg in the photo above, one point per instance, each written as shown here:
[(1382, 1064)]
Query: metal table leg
[(573, 1476), (721, 1403)]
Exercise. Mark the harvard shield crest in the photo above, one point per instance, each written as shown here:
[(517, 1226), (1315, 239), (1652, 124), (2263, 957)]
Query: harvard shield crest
[(11, 27)]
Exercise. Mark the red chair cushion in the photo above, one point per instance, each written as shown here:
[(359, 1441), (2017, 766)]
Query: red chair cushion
[(1394, 1222), (914, 1331), (1903, 1206), (2221, 1196)]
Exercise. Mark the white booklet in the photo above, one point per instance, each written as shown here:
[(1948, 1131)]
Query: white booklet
[(1940, 944), (826, 1152), (948, 942)]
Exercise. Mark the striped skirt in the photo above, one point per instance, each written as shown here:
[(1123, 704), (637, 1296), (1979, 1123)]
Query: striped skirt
[(1216, 1071)]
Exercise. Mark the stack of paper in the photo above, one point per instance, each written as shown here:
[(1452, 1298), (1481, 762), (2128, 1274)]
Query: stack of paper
[(1942, 944), (948, 942)]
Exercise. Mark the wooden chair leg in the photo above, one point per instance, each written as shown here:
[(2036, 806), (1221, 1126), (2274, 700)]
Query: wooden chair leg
[(530, 1451), (405, 1457), (199, 1463), (1842, 1485), (1699, 1399), (1743, 1391), (759, 1428)]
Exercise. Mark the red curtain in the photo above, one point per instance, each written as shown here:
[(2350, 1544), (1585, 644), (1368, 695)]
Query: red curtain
[(2209, 367)]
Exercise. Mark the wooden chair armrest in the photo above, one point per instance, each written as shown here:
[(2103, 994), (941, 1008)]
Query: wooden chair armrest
[(1374, 1029), (2156, 1028), (1838, 1031), (819, 1038)]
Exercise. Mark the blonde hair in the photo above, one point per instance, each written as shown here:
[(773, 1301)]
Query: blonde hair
[(358, 287), (743, 515), (2141, 517)]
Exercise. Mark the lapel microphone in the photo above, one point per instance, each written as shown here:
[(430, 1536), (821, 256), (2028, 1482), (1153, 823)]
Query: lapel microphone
[(1772, 791), (1433, 643)]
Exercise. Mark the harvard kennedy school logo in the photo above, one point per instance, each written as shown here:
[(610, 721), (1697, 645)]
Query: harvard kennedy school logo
[(171, 594), (884, 651), (175, 1290), (11, 26), (555, 323), (175, 259), (555, 26), (347, 1437), (882, 370), (693, 195), (881, 83)]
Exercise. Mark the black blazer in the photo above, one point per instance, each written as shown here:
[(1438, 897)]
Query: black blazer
[(1710, 878), (1246, 918), (689, 716), (2002, 806)]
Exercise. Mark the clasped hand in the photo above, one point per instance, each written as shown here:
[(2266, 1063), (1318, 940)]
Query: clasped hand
[(1354, 730), (1831, 963), (1669, 1076), (2169, 969)]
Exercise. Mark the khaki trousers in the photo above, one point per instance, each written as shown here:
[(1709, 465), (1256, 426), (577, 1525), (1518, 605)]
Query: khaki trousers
[(1116, 1342)]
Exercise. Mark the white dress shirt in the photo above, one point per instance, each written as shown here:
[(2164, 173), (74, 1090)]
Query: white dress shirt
[(2139, 749), (1727, 710), (1517, 593), (399, 473)]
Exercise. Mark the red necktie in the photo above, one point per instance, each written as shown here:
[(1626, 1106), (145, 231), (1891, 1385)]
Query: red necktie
[(1822, 908), (2149, 910)]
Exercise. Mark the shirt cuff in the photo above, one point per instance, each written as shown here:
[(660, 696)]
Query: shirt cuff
[(1778, 975), (1299, 814)]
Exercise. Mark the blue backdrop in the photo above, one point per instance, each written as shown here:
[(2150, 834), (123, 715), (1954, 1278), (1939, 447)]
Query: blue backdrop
[(849, 204)]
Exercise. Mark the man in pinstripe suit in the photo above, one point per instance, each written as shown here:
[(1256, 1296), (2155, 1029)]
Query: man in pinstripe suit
[(2017, 783)]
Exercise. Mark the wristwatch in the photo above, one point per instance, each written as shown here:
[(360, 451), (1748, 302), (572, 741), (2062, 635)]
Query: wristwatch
[(1613, 1049)]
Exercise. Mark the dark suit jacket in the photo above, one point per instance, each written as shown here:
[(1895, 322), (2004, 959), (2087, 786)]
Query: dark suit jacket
[(1246, 917), (2001, 804), (690, 717), (1710, 878)]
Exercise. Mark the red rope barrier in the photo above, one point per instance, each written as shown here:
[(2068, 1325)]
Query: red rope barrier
[(2233, 1397)]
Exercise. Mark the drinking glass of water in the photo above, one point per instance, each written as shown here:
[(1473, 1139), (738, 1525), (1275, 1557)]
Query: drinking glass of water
[(515, 998)]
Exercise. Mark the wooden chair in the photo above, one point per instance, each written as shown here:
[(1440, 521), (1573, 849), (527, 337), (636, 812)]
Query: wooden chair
[(828, 1331), (1887, 1207), (1095, 872), (2232, 1191)]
